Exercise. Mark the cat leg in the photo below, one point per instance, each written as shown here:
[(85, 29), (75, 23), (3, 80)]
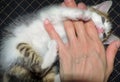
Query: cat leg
[(30, 58), (58, 13), (33, 62), (77, 14), (51, 55), (49, 60)]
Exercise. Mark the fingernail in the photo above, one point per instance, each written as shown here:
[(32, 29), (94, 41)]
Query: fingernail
[(46, 21), (68, 0)]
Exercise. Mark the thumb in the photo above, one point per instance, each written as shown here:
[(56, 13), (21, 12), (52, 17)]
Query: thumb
[(111, 53)]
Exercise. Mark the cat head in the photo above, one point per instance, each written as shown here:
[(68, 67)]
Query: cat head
[(102, 21)]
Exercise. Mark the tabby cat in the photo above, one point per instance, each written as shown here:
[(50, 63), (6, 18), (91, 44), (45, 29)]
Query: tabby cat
[(27, 51)]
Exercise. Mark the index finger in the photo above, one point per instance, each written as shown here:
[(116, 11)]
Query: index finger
[(52, 33)]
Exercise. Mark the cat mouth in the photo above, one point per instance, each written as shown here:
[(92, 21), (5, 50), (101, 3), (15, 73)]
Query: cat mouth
[(100, 30), (101, 33)]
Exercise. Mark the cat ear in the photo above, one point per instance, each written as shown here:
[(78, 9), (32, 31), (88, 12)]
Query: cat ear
[(111, 39), (104, 6)]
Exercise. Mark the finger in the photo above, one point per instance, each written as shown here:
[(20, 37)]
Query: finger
[(69, 28), (80, 30), (68, 24), (91, 30), (70, 3), (52, 33), (82, 6), (111, 53)]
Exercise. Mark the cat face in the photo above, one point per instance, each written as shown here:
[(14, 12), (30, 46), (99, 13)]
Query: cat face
[(101, 19)]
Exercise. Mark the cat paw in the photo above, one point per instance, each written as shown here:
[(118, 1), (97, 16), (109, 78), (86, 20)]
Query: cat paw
[(51, 55), (84, 15), (52, 44), (49, 77)]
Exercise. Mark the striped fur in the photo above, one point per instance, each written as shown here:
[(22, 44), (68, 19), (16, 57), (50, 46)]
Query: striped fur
[(30, 70)]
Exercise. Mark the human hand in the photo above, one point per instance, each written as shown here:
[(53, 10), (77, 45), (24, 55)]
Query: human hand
[(83, 58)]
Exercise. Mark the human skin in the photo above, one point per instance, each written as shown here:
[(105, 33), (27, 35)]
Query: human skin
[(83, 58)]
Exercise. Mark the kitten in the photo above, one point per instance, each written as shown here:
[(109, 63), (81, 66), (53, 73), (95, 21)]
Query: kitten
[(27, 52)]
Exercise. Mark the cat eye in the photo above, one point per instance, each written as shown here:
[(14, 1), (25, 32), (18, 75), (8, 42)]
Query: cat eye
[(103, 19)]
